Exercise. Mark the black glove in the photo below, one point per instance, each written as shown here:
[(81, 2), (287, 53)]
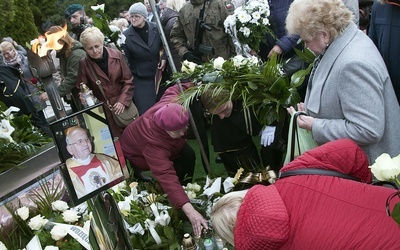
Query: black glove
[(191, 57)]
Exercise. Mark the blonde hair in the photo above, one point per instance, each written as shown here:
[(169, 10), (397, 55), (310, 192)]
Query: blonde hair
[(224, 214), (309, 17), (6, 46), (212, 98), (175, 5), (91, 34)]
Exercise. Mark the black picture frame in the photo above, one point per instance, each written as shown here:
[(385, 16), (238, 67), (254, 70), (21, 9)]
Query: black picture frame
[(103, 145)]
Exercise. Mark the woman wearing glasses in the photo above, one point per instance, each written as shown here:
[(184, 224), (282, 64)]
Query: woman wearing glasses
[(28, 83), (142, 49)]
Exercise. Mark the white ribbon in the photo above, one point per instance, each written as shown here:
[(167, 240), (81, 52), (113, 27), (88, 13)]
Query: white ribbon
[(228, 184), (151, 226), (78, 233), (6, 130), (135, 229), (215, 187), (163, 219)]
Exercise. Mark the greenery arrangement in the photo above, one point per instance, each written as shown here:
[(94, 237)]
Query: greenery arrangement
[(152, 223), (50, 220), (22, 143), (261, 85), (248, 25)]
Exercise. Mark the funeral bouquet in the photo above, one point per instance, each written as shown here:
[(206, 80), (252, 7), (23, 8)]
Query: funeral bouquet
[(248, 25), (260, 85), (386, 168), (18, 138), (152, 223), (50, 223)]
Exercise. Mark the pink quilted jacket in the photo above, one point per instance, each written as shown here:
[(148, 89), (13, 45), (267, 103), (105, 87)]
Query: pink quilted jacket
[(319, 212)]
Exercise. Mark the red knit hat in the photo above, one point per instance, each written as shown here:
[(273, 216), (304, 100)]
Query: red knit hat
[(171, 117)]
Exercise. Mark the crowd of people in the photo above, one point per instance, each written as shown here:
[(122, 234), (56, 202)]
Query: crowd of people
[(352, 93)]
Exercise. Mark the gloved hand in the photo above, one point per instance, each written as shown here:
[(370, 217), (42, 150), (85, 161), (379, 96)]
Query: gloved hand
[(268, 135), (191, 57)]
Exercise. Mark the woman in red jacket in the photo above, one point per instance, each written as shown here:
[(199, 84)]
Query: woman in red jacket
[(111, 69), (156, 141), (312, 211)]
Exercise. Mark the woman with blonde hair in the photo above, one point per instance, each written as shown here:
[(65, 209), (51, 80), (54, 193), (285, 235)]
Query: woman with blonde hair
[(70, 54), (321, 201), (111, 69), (349, 93)]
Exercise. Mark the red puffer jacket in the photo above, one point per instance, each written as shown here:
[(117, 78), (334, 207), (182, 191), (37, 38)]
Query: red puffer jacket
[(319, 212)]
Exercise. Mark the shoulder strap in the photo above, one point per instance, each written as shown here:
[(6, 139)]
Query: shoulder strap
[(98, 82), (316, 171)]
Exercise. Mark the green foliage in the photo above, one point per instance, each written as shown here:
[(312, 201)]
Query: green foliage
[(27, 140), (139, 212), (396, 213), (46, 195), (261, 86), (101, 21), (20, 24)]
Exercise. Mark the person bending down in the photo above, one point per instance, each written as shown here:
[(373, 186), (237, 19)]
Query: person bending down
[(311, 211)]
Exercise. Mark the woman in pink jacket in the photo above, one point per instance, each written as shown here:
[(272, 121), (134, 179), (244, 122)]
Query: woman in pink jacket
[(312, 211)]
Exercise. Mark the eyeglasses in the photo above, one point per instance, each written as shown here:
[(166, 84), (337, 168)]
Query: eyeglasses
[(8, 53), (136, 16), (81, 142)]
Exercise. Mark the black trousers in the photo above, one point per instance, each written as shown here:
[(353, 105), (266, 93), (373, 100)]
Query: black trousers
[(196, 108), (184, 165), (247, 158)]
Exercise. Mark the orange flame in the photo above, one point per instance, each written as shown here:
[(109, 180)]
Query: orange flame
[(51, 42)]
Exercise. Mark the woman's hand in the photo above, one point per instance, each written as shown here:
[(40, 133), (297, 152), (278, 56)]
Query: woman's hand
[(118, 108), (195, 218), (275, 50), (303, 121), (43, 97), (83, 100), (161, 65)]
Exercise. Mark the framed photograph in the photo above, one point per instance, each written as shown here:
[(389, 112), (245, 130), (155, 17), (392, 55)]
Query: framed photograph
[(92, 160)]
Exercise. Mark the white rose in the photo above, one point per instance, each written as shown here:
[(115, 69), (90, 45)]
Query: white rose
[(51, 248), (70, 216), (59, 206), (188, 67), (238, 60), (37, 222), (191, 194), (196, 187), (253, 60), (218, 62), (23, 212), (58, 232), (2, 246), (386, 168)]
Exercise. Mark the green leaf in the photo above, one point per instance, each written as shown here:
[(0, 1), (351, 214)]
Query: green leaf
[(396, 213), (169, 233)]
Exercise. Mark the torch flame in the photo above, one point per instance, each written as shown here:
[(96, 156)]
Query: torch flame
[(50, 44)]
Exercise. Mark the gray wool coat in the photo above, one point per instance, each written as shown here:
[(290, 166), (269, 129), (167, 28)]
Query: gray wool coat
[(352, 97)]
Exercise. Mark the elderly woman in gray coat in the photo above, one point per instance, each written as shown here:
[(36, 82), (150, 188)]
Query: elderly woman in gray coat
[(349, 94)]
